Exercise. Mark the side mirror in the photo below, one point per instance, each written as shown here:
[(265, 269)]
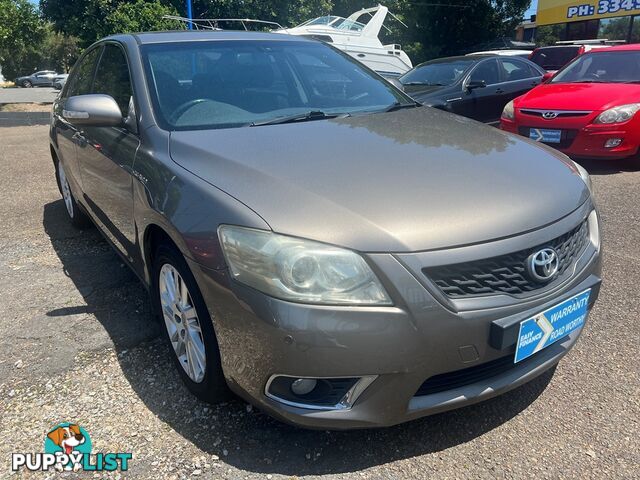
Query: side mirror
[(93, 110), (547, 76), (473, 84)]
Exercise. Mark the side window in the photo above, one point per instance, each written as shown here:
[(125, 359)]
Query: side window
[(112, 77), (487, 71), (513, 70), (82, 76)]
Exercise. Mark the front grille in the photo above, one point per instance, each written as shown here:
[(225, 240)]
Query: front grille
[(461, 378), (506, 273), (566, 139), (559, 113)]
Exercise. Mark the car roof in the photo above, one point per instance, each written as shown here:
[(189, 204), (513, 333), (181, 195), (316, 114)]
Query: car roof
[(632, 47), (178, 36)]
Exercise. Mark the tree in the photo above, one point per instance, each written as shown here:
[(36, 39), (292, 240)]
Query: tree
[(21, 34), (59, 52), (139, 16)]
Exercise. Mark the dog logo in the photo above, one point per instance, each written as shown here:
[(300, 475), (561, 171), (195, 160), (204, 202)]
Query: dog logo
[(70, 439)]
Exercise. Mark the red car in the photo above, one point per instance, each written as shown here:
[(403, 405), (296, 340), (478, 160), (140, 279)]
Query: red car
[(587, 109)]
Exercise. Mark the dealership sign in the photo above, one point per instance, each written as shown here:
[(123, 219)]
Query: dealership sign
[(562, 11)]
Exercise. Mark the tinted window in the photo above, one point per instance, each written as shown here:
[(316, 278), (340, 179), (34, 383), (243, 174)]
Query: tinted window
[(225, 84), (487, 71), (554, 58), (112, 77), (82, 75), (437, 72), (513, 70), (604, 67)]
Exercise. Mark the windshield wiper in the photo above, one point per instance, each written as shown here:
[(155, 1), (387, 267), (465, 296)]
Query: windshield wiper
[(300, 117), (426, 84), (589, 81), (399, 106)]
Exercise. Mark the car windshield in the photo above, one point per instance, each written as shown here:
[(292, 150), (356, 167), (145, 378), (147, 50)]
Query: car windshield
[(437, 73), (226, 84), (602, 67)]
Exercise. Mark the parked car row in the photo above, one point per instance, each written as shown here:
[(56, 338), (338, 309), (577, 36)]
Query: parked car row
[(586, 109)]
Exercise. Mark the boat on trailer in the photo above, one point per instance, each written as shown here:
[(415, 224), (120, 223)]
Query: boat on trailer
[(359, 38)]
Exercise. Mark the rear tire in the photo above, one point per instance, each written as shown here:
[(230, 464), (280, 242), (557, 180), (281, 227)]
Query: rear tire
[(188, 329), (27, 84), (76, 215)]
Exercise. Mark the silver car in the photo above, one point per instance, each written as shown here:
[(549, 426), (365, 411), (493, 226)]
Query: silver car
[(43, 78), (313, 239)]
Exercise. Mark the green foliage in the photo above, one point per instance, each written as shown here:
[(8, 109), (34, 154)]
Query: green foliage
[(549, 34), (139, 16), (21, 34), (58, 52)]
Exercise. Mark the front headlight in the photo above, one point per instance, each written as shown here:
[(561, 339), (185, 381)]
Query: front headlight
[(509, 112), (584, 175), (619, 114), (300, 270)]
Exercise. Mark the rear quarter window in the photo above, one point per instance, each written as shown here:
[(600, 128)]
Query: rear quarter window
[(554, 58)]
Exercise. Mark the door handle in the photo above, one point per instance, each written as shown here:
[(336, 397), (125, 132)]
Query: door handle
[(499, 91), (79, 139)]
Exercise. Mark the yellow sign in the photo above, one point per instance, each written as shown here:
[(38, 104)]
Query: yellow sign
[(563, 11)]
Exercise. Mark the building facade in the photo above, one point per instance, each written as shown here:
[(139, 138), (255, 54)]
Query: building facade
[(588, 20)]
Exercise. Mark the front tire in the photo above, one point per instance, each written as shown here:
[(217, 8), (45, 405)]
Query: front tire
[(188, 329), (76, 216), (27, 84)]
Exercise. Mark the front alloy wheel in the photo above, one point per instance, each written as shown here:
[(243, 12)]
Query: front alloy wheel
[(27, 84), (182, 322), (188, 326)]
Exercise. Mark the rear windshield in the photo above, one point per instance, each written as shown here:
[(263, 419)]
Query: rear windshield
[(227, 84), (602, 67), (554, 58)]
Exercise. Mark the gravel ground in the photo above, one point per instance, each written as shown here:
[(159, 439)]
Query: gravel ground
[(78, 344)]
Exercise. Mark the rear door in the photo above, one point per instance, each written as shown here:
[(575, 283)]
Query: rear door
[(518, 78), (106, 155)]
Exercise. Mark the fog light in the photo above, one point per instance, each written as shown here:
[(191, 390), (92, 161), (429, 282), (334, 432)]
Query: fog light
[(303, 386), (612, 142)]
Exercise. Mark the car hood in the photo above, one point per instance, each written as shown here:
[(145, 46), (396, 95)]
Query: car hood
[(411, 180), (580, 96)]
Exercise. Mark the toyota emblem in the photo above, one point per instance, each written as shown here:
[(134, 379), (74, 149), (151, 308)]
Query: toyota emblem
[(543, 265), (550, 115)]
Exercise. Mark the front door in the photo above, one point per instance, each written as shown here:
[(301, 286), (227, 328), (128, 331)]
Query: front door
[(106, 155), (479, 103)]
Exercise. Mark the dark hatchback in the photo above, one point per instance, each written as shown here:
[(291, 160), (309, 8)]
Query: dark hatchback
[(476, 86)]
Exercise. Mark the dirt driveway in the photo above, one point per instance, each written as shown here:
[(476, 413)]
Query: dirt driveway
[(78, 344)]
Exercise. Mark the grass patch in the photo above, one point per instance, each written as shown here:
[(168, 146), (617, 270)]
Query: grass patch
[(7, 84), (25, 107)]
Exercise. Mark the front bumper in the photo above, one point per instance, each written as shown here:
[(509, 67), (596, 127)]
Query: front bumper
[(582, 139), (418, 338)]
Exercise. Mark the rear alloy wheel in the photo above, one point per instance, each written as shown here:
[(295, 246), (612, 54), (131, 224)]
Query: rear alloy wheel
[(27, 84), (76, 216), (187, 325)]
